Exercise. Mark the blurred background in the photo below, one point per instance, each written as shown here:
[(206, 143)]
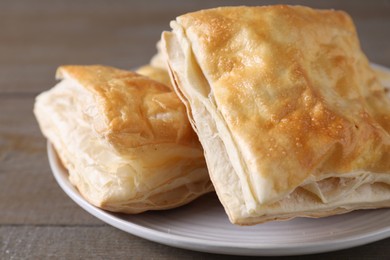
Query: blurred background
[(37, 220), (37, 36)]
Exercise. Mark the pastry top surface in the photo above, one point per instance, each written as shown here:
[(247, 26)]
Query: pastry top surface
[(131, 110), (291, 82)]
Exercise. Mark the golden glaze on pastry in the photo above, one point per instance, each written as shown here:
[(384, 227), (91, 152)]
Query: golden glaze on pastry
[(292, 118), (124, 138)]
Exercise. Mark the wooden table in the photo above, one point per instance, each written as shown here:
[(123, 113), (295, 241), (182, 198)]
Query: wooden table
[(37, 220)]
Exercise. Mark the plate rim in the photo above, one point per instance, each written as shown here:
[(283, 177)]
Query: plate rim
[(203, 245)]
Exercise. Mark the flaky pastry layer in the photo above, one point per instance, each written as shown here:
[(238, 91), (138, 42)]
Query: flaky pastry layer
[(124, 138), (292, 119)]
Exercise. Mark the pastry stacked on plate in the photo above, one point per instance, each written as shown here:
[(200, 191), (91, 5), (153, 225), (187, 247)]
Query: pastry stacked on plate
[(292, 120)]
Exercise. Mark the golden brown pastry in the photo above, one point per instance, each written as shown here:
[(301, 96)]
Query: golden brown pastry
[(124, 138), (292, 118)]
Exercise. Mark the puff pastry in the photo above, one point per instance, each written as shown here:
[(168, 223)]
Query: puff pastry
[(292, 118), (124, 138), (157, 68), (383, 75), (156, 73)]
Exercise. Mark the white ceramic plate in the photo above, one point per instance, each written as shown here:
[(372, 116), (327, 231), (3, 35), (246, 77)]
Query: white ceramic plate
[(203, 226)]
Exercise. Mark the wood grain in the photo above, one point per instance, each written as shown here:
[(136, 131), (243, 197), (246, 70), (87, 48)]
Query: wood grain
[(28, 192), (46, 34), (103, 242), (37, 220)]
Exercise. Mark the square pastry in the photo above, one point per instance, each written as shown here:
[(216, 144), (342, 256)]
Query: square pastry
[(124, 138), (292, 118)]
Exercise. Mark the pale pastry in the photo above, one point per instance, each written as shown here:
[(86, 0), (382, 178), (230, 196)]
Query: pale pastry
[(293, 120), (156, 73), (124, 138), (157, 68), (383, 75), (158, 60)]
